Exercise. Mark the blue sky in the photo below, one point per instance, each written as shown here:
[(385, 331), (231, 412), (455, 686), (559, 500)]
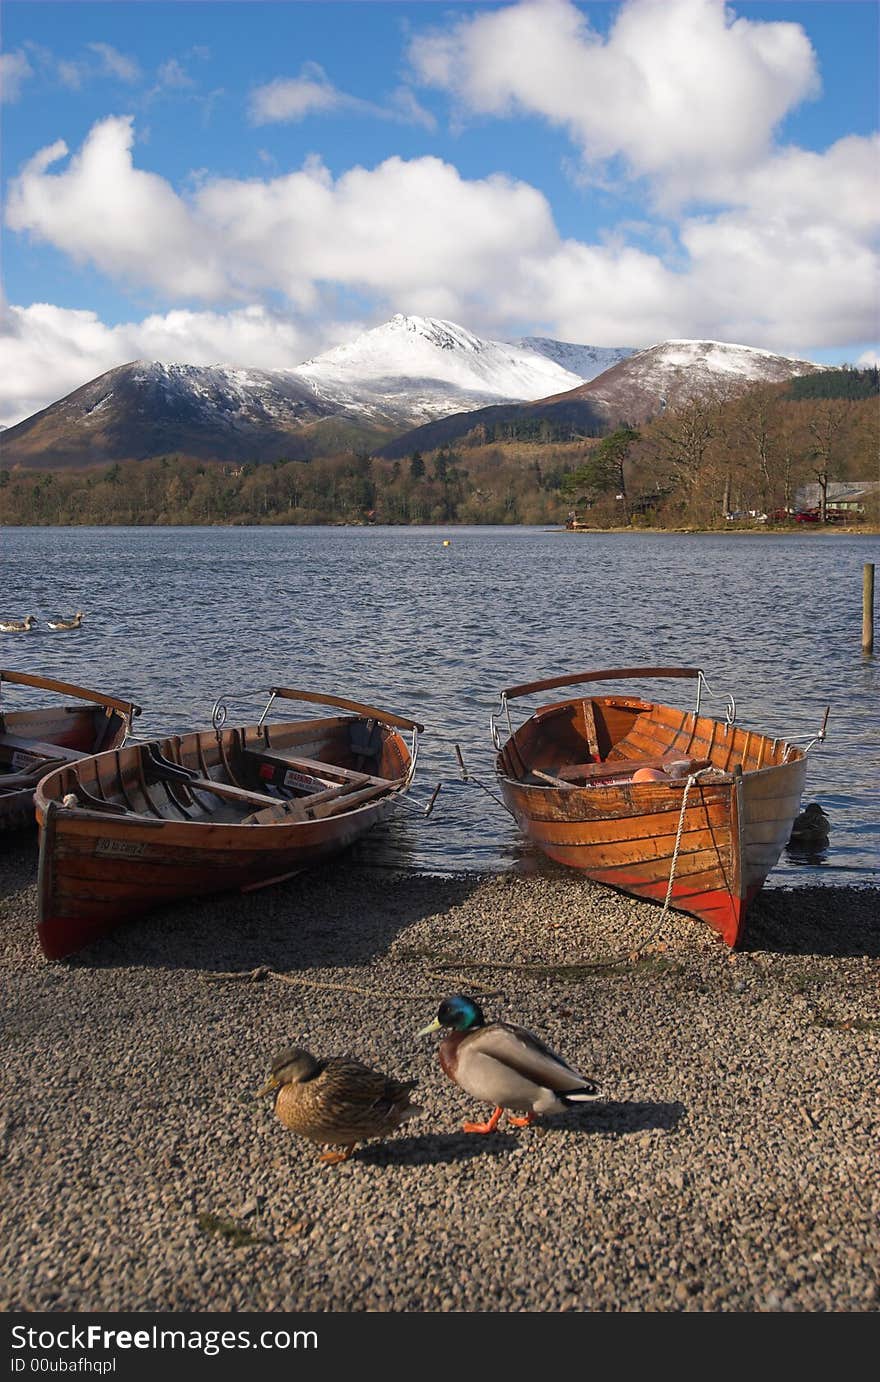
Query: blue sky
[(252, 183)]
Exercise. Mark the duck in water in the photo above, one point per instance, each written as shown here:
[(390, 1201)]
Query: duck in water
[(18, 625), (811, 827), (72, 623)]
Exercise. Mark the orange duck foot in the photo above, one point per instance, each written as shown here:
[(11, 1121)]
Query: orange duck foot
[(521, 1122), (334, 1158), (485, 1127)]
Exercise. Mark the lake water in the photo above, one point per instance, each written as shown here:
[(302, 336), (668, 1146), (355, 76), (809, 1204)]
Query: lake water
[(175, 617)]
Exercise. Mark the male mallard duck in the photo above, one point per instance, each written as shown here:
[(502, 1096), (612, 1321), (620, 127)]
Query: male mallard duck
[(337, 1101), (72, 623), (18, 625), (811, 826), (504, 1065)]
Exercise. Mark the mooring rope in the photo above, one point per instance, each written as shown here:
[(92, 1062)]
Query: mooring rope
[(687, 787)]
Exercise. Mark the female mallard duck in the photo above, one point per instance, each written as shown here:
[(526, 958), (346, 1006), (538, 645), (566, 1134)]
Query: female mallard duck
[(337, 1101), (504, 1065), (72, 623), (811, 826), (18, 625)]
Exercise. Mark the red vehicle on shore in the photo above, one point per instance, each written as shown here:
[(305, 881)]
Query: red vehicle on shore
[(831, 516)]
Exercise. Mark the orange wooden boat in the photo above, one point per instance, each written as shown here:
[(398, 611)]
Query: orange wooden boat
[(35, 742), (209, 812), (662, 803)]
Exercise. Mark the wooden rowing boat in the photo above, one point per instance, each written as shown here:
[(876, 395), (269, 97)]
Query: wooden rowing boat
[(662, 803), (209, 812), (35, 742)]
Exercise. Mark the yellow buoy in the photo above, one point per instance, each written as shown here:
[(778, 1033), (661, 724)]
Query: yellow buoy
[(446, 542)]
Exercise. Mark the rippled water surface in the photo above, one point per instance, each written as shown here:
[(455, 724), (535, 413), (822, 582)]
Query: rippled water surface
[(175, 617)]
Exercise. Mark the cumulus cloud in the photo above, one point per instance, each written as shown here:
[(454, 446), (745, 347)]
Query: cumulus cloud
[(100, 208), (415, 227), (14, 71), (678, 89)]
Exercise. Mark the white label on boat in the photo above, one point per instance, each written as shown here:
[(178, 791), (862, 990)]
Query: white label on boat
[(24, 760), (295, 779), (129, 849)]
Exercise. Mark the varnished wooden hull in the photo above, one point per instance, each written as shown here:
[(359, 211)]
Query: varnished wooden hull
[(34, 742), (99, 867), (733, 825)]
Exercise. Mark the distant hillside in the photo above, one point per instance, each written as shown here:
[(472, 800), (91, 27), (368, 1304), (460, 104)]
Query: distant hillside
[(667, 376), (564, 421), (635, 389), (146, 409), (837, 383)]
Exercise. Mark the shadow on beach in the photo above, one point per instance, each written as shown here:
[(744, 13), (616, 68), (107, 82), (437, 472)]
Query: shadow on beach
[(327, 918), (431, 1149), (345, 913), (836, 922)]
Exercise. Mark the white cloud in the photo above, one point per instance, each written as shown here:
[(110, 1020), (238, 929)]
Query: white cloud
[(869, 359), (102, 60), (46, 352), (173, 75), (14, 71), (416, 228), (293, 98), (287, 99), (114, 63), (406, 107), (787, 264), (102, 209), (678, 89)]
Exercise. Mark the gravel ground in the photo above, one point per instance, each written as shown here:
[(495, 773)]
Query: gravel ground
[(732, 1165)]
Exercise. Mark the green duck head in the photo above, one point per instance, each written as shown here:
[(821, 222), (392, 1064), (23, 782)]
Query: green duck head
[(293, 1065), (459, 1013)]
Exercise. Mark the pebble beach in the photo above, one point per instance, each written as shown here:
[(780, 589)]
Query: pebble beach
[(730, 1164)]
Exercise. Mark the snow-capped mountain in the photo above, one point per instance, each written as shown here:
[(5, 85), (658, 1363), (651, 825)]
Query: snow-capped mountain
[(422, 367), (642, 386), (387, 380), (152, 409), (412, 372), (587, 361), (676, 372)]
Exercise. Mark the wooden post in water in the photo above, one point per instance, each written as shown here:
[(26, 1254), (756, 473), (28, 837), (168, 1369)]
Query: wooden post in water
[(868, 608)]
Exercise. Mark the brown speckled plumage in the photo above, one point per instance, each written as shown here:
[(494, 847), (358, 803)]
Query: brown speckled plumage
[(337, 1101)]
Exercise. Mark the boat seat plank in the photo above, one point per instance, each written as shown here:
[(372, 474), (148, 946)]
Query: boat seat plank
[(589, 772), (317, 768), (229, 792), (309, 809), (159, 769), (40, 749)]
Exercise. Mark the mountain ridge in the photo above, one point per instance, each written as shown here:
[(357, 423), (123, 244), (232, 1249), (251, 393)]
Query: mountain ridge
[(383, 386)]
